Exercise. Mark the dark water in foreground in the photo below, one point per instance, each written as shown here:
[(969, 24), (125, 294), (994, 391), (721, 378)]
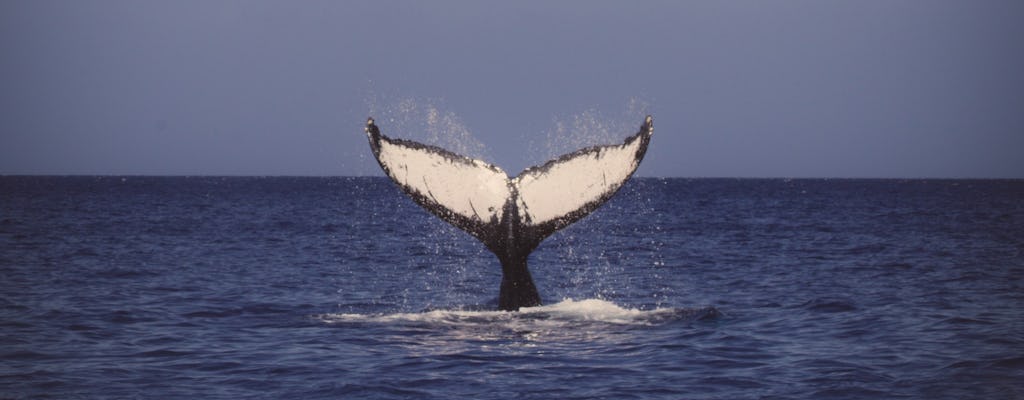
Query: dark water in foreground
[(343, 288)]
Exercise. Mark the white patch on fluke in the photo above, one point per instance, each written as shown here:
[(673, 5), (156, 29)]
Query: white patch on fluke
[(478, 190), (570, 184), (471, 188)]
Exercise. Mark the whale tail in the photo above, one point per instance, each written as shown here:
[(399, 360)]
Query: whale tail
[(510, 216)]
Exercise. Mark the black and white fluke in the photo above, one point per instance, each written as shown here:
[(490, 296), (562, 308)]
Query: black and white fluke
[(511, 216)]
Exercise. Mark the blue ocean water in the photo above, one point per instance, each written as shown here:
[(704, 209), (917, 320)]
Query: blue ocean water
[(208, 287)]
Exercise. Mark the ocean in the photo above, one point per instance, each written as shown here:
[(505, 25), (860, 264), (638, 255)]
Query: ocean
[(326, 288)]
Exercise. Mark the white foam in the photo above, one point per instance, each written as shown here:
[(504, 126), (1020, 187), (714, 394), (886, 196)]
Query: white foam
[(593, 310), (566, 311), (564, 323)]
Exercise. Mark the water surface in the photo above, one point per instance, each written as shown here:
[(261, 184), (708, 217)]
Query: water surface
[(117, 287)]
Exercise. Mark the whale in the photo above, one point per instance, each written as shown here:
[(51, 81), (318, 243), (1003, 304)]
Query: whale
[(511, 216)]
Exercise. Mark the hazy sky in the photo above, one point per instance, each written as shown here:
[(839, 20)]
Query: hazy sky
[(882, 88)]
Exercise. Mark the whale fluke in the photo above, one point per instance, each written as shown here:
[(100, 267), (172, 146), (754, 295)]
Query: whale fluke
[(510, 216)]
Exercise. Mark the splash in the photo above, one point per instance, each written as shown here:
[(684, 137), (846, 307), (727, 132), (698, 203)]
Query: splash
[(590, 127), (565, 313), (428, 121), (565, 325), (590, 263), (596, 310)]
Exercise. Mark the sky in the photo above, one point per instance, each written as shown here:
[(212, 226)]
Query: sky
[(844, 89)]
